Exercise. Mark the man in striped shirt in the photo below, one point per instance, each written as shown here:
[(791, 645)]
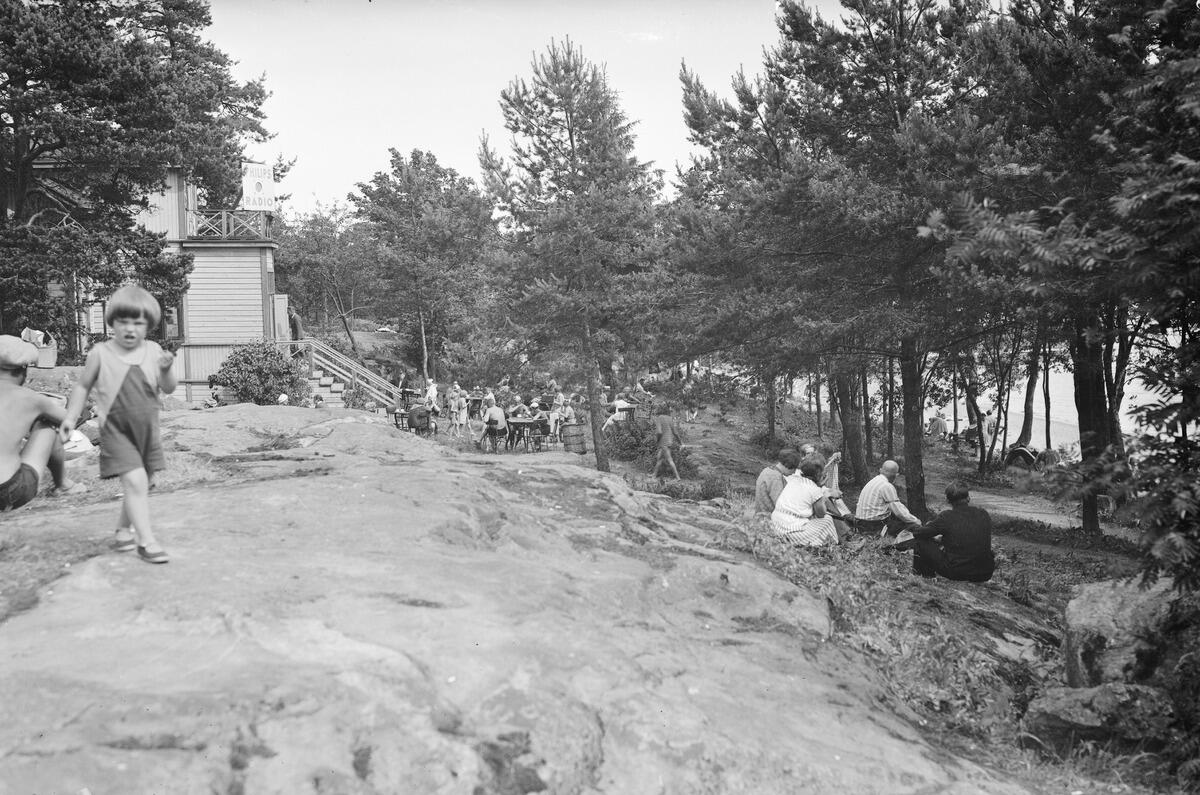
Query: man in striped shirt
[(879, 508)]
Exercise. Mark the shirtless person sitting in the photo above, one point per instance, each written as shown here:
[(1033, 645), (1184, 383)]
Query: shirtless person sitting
[(32, 414)]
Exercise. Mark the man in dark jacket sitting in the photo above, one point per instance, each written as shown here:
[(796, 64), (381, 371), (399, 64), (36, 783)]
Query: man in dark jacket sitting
[(957, 544)]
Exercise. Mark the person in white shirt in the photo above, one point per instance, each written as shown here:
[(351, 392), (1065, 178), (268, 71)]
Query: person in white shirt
[(799, 516), (879, 508), (431, 397), (494, 414), (617, 405)]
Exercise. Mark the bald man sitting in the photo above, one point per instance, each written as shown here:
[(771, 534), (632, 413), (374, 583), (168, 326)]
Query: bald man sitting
[(879, 508)]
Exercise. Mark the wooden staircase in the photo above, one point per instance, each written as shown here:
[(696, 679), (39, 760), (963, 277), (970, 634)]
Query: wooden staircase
[(329, 388), (331, 373)]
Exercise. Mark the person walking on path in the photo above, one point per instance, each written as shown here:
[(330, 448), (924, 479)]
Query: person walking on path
[(879, 508), (771, 480), (667, 432), (957, 544), (126, 372), (26, 413)]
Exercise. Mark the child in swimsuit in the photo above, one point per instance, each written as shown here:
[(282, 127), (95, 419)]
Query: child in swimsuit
[(125, 373), (25, 413)]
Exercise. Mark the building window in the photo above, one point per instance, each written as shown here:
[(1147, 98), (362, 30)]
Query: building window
[(171, 326)]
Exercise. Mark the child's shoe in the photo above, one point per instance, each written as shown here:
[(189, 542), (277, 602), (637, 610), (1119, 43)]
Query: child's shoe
[(160, 556)]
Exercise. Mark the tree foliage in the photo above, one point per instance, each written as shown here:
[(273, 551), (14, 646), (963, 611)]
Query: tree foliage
[(579, 207), (329, 267), (97, 99), (433, 229)]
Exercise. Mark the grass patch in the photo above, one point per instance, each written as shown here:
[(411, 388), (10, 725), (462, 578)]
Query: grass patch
[(30, 561), (935, 654), (1070, 538)]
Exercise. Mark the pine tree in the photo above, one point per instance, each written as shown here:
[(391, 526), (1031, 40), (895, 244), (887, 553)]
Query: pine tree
[(579, 210)]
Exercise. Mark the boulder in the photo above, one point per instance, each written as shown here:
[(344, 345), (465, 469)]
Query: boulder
[(1118, 632), (1131, 716)]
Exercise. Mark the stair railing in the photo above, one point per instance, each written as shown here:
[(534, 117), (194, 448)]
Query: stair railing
[(354, 375)]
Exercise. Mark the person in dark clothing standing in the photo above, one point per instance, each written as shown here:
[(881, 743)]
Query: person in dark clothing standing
[(964, 551)]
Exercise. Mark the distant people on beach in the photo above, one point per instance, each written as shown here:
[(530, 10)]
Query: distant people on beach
[(29, 441), (126, 373), (937, 426)]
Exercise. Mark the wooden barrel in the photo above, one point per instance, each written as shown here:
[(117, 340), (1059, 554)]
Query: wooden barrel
[(574, 440)]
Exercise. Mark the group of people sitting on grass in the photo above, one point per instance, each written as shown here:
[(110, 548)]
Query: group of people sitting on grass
[(803, 503)]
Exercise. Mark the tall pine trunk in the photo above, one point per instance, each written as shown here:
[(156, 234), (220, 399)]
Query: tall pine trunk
[(1033, 363), (868, 435), (974, 415), (851, 417), (592, 378), (1046, 391), (891, 408), (424, 347), (817, 394), (770, 407), (954, 407), (910, 408), (350, 334), (1091, 404)]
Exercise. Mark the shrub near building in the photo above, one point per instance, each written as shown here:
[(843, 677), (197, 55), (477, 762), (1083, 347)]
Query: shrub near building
[(260, 372)]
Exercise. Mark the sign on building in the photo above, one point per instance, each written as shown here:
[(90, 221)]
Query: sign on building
[(258, 187)]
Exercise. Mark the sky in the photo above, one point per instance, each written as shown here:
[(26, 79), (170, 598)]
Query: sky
[(352, 78)]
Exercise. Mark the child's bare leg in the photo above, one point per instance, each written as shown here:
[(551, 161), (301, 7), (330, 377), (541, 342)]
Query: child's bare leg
[(136, 508), (666, 454), (658, 463), (44, 450)]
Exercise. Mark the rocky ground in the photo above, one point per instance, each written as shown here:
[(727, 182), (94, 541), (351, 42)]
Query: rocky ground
[(351, 609)]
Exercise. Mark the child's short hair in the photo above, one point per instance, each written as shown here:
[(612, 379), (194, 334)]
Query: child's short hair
[(132, 301)]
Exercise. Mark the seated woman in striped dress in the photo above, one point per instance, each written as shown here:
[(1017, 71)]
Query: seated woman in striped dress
[(799, 515)]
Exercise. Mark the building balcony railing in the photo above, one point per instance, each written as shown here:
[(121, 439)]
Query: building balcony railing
[(229, 225)]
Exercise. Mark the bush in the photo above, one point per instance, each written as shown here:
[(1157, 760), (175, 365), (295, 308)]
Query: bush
[(354, 398), (260, 372)]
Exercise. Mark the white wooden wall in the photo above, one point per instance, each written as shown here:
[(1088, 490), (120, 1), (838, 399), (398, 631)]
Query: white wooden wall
[(225, 300)]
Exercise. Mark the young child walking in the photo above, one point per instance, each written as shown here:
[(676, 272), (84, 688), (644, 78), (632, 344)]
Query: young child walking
[(125, 373), (28, 443)]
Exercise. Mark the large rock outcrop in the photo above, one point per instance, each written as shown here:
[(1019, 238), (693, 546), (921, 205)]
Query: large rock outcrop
[(1127, 716), (1131, 659), (1118, 632), (355, 610)]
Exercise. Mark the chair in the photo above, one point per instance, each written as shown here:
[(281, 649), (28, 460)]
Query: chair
[(421, 422), (494, 435), (539, 434)]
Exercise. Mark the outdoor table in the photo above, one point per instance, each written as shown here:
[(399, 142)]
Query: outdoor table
[(523, 428)]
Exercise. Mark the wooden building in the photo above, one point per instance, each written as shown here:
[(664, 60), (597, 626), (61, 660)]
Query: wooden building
[(231, 298)]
